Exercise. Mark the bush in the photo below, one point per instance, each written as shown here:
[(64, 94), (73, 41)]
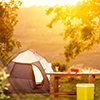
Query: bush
[(61, 66), (3, 84)]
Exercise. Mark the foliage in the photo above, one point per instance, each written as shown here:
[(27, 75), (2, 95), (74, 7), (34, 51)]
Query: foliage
[(60, 64), (8, 20), (3, 84), (73, 68), (81, 26)]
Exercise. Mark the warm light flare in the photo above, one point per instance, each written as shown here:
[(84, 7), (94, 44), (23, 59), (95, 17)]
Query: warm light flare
[(49, 2), (27, 3), (73, 2), (63, 2)]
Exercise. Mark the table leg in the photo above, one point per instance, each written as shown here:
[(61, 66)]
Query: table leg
[(52, 86), (56, 84), (92, 79)]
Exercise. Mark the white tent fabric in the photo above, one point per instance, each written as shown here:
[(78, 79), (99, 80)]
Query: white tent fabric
[(27, 57), (43, 63), (38, 75), (48, 69), (30, 57)]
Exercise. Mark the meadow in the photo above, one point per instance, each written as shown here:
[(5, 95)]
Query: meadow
[(66, 84)]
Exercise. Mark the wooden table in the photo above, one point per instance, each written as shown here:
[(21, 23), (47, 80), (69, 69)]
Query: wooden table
[(54, 81)]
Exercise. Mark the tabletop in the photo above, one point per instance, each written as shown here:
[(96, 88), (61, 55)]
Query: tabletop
[(72, 73)]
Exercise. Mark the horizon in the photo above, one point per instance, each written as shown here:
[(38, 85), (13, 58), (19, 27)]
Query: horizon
[(29, 3)]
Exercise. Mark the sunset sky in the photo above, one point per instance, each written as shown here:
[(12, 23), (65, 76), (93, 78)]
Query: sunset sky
[(27, 3)]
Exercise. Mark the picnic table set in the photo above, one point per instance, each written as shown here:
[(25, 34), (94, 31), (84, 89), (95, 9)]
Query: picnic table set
[(90, 86)]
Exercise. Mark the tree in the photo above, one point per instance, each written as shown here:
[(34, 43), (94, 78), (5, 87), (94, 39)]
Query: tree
[(8, 20), (81, 26)]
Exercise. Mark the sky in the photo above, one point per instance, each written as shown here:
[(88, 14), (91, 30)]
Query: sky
[(28, 3)]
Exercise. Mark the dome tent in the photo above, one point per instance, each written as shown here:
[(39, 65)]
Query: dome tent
[(27, 73)]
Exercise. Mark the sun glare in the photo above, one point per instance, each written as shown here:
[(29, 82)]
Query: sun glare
[(63, 2), (28, 3), (73, 2)]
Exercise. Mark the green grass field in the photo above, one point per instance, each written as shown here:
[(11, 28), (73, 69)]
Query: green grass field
[(66, 84)]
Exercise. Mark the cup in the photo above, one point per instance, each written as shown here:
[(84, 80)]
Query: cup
[(57, 68)]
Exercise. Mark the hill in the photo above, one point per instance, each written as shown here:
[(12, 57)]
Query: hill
[(32, 32), (32, 26)]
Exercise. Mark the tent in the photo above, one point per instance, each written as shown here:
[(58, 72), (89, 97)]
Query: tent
[(27, 73)]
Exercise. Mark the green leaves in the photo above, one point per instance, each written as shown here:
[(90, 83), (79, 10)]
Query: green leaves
[(81, 26), (61, 66), (8, 19), (3, 84), (72, 49), (49, 11), (86, 33)]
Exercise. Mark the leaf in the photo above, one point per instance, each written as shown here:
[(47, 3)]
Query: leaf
[(8, 19), (80, 28)]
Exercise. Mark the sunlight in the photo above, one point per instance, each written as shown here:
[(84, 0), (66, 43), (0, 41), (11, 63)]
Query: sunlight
[(5, 0), (49, 2), (63, 2), (73, 2), (28, 3)]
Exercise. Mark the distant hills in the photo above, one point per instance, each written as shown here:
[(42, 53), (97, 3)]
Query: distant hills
[(32, 32), (32, 26)]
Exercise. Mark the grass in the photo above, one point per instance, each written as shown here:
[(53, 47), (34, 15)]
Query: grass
[(66, 84)]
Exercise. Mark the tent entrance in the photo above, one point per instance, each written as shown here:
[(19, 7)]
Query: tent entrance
[(38, 76)]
